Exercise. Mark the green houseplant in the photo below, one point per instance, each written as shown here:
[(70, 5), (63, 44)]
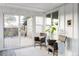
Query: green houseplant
[(51, 30)]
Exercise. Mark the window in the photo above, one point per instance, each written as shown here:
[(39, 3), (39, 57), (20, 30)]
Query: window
[(11, 25), (55, 20), (23, 26), (29, 26), (38, 28), (47, 22), (39, 24), (11, 21), (39, 20), (52, 19)]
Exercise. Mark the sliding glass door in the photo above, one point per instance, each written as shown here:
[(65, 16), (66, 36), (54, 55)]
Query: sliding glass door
[(26, 31), (11, 24), (17, 31)]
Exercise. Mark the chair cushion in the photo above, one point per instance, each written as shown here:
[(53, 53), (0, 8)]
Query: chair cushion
[(36, 38), (51, 42)]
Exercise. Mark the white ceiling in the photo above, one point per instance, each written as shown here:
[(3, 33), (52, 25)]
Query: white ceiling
[(39, 7)]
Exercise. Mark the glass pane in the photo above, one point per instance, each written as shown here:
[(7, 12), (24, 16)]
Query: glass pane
[(48, 21), (11, 21), (29, 27), (55, 15), (26, 31), (48, 15), (38, 29), (23, 26), (55, 23), (47, 30), (11, 24), (39, 20)]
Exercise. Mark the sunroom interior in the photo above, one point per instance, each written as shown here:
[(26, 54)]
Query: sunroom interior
[(21, 23)]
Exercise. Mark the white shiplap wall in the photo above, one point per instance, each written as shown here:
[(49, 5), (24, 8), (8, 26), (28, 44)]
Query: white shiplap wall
[(1, 30), (66, 12)]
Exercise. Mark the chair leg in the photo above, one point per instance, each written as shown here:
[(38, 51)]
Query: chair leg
[(40, 45), (45, 44), (55, 53), (34, 44), (48, 52)]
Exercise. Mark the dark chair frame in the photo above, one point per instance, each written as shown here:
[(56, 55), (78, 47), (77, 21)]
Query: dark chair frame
[(53, 47), (43, 42), (36, 41), (40, 41)]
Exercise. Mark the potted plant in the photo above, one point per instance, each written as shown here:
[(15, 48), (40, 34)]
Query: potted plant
[(51, 30)]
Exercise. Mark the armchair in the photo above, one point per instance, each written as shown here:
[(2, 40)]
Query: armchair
[(53, 47), (36, 41)]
